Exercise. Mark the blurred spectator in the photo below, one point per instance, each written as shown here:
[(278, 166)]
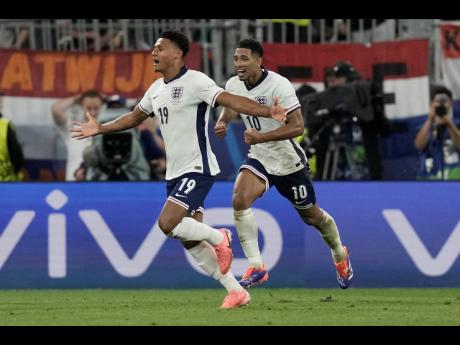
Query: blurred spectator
[(284, 30), (116, 156), (303, 91), (154, 149), (74, 109), (438, 140), (329, 30), (82, 34), (111, 39), (11, 38), (11, 157), (353, 30), (365, 30), (363, 133)]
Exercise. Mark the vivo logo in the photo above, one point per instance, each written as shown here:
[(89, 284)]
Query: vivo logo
[(428, 265), (109, 245)]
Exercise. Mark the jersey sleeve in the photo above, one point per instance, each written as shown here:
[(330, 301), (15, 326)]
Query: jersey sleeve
[(146, 104), (206, 89), (287, 96)]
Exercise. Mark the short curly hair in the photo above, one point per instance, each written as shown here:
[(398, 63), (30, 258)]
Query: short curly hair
[(439, 89), (179, 39), (253, 45)]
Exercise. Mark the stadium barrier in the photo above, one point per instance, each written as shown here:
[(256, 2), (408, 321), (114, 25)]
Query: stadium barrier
[(105, 235)]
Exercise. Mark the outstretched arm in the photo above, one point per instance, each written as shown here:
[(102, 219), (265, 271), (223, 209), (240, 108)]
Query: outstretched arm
[(93, 127), (293, 128), (247, 106)]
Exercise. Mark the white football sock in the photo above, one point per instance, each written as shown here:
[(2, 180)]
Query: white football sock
[(330, 233), (247, 229), (205, 256), (191, 230)]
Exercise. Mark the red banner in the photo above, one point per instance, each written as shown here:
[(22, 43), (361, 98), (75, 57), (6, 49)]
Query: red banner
[(404, 59), (61, 74)]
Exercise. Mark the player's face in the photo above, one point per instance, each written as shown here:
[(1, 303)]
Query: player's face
[(247, 65), (441, 99), (164, 54), (93, 105)]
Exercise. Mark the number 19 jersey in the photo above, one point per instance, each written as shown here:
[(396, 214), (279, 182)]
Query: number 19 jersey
[(182, 105)]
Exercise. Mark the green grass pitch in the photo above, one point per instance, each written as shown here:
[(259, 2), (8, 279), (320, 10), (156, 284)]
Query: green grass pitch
[(268, 306)]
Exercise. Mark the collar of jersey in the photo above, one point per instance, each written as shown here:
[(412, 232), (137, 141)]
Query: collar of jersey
[(262, 78), (182, 71)]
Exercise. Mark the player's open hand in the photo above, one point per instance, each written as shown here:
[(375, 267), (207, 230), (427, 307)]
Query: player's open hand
[(87, 129), (220, 129), (252, 136), (277, 111)]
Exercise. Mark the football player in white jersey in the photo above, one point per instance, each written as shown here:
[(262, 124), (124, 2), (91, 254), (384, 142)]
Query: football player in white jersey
[(274, 159), (182, 100)]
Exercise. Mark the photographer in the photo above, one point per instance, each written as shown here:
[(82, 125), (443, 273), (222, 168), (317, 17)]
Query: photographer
[(362, 133), (116, 156), (438, 141)]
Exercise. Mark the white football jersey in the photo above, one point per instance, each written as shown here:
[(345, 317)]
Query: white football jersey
[(182, 106), (281, 157)]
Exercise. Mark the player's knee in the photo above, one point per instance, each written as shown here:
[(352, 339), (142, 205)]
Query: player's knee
[(312, 216), (166, 224), (309, 220), (241, 201)]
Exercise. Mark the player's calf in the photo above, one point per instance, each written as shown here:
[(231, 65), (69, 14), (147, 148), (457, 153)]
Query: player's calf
[(224, 251)]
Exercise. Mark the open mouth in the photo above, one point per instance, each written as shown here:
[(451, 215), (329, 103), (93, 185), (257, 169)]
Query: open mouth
[(240, 72)]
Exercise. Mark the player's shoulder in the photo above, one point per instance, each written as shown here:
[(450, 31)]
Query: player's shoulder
[(155, 84), (233, 82), (278, 82), (194, 74), (277, 77)]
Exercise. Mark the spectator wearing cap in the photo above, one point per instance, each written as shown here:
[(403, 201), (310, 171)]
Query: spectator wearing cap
[(340, 74), (344, 73)]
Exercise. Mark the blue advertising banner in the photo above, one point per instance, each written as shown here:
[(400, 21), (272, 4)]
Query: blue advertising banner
[(105, 235)]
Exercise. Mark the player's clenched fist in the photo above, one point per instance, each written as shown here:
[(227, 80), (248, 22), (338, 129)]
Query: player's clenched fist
[(252, 136), (220, 129)]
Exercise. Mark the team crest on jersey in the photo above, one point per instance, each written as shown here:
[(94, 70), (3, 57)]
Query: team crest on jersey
[(261, 99), (176, 93)]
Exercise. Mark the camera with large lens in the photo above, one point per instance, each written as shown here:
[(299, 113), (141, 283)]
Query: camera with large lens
[(441, 109), (116, 148), (359, 98)]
